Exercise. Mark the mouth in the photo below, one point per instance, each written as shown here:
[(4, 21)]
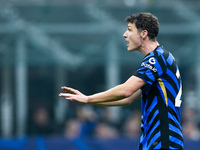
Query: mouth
[(127, 42)]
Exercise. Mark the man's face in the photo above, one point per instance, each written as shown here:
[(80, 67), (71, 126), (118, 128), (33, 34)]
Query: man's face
[(132, 36)]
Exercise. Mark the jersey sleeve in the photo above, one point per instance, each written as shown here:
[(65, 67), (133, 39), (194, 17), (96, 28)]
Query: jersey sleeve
[(152, 67)]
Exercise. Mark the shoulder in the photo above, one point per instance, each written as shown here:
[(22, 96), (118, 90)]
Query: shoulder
[(166, 56), (158, 59), (160, 52), (159, 55)]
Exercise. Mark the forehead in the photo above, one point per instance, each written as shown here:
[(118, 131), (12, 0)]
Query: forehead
[(131, 25)]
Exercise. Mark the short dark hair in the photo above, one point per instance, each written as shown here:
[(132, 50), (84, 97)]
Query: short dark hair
[(145, 21)]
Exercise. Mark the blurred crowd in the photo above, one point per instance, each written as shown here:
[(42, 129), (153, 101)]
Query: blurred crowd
[(93, 121), (86, 121)]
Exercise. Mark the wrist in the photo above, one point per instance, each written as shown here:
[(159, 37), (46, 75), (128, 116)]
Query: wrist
[(88, 99)]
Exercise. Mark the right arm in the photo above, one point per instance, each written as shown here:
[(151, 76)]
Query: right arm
[(123, 102), (117, 93)]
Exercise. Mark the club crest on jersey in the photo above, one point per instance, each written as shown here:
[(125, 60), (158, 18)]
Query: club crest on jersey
[(152, 60)]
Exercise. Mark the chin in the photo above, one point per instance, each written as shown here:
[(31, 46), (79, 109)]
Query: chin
[(130, 50), (133, 48)]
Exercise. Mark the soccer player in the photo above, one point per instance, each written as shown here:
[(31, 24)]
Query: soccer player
[(157, 81)]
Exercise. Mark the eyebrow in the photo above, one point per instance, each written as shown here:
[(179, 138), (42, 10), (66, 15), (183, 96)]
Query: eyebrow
[(128, 27)]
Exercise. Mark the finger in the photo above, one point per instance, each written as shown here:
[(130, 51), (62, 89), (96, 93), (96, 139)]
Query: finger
[(64, 87), (68, 90), (73, 91), (64, 95)]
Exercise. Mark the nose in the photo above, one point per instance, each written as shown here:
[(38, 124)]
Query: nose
[(125, 35)]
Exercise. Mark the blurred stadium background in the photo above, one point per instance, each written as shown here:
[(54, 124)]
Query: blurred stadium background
[(45, 44)]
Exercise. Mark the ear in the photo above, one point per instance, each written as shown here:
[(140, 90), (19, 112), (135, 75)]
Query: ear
[(144, 34)]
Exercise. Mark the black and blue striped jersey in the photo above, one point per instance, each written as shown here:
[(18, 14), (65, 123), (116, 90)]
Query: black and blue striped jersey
[(161, 102)]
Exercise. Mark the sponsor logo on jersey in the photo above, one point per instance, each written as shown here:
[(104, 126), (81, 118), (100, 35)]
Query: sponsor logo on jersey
[(149, 66)]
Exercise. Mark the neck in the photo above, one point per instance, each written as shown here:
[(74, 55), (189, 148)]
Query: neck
[(148, 46)]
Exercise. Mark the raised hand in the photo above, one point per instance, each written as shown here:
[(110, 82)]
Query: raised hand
[(73, 95)]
